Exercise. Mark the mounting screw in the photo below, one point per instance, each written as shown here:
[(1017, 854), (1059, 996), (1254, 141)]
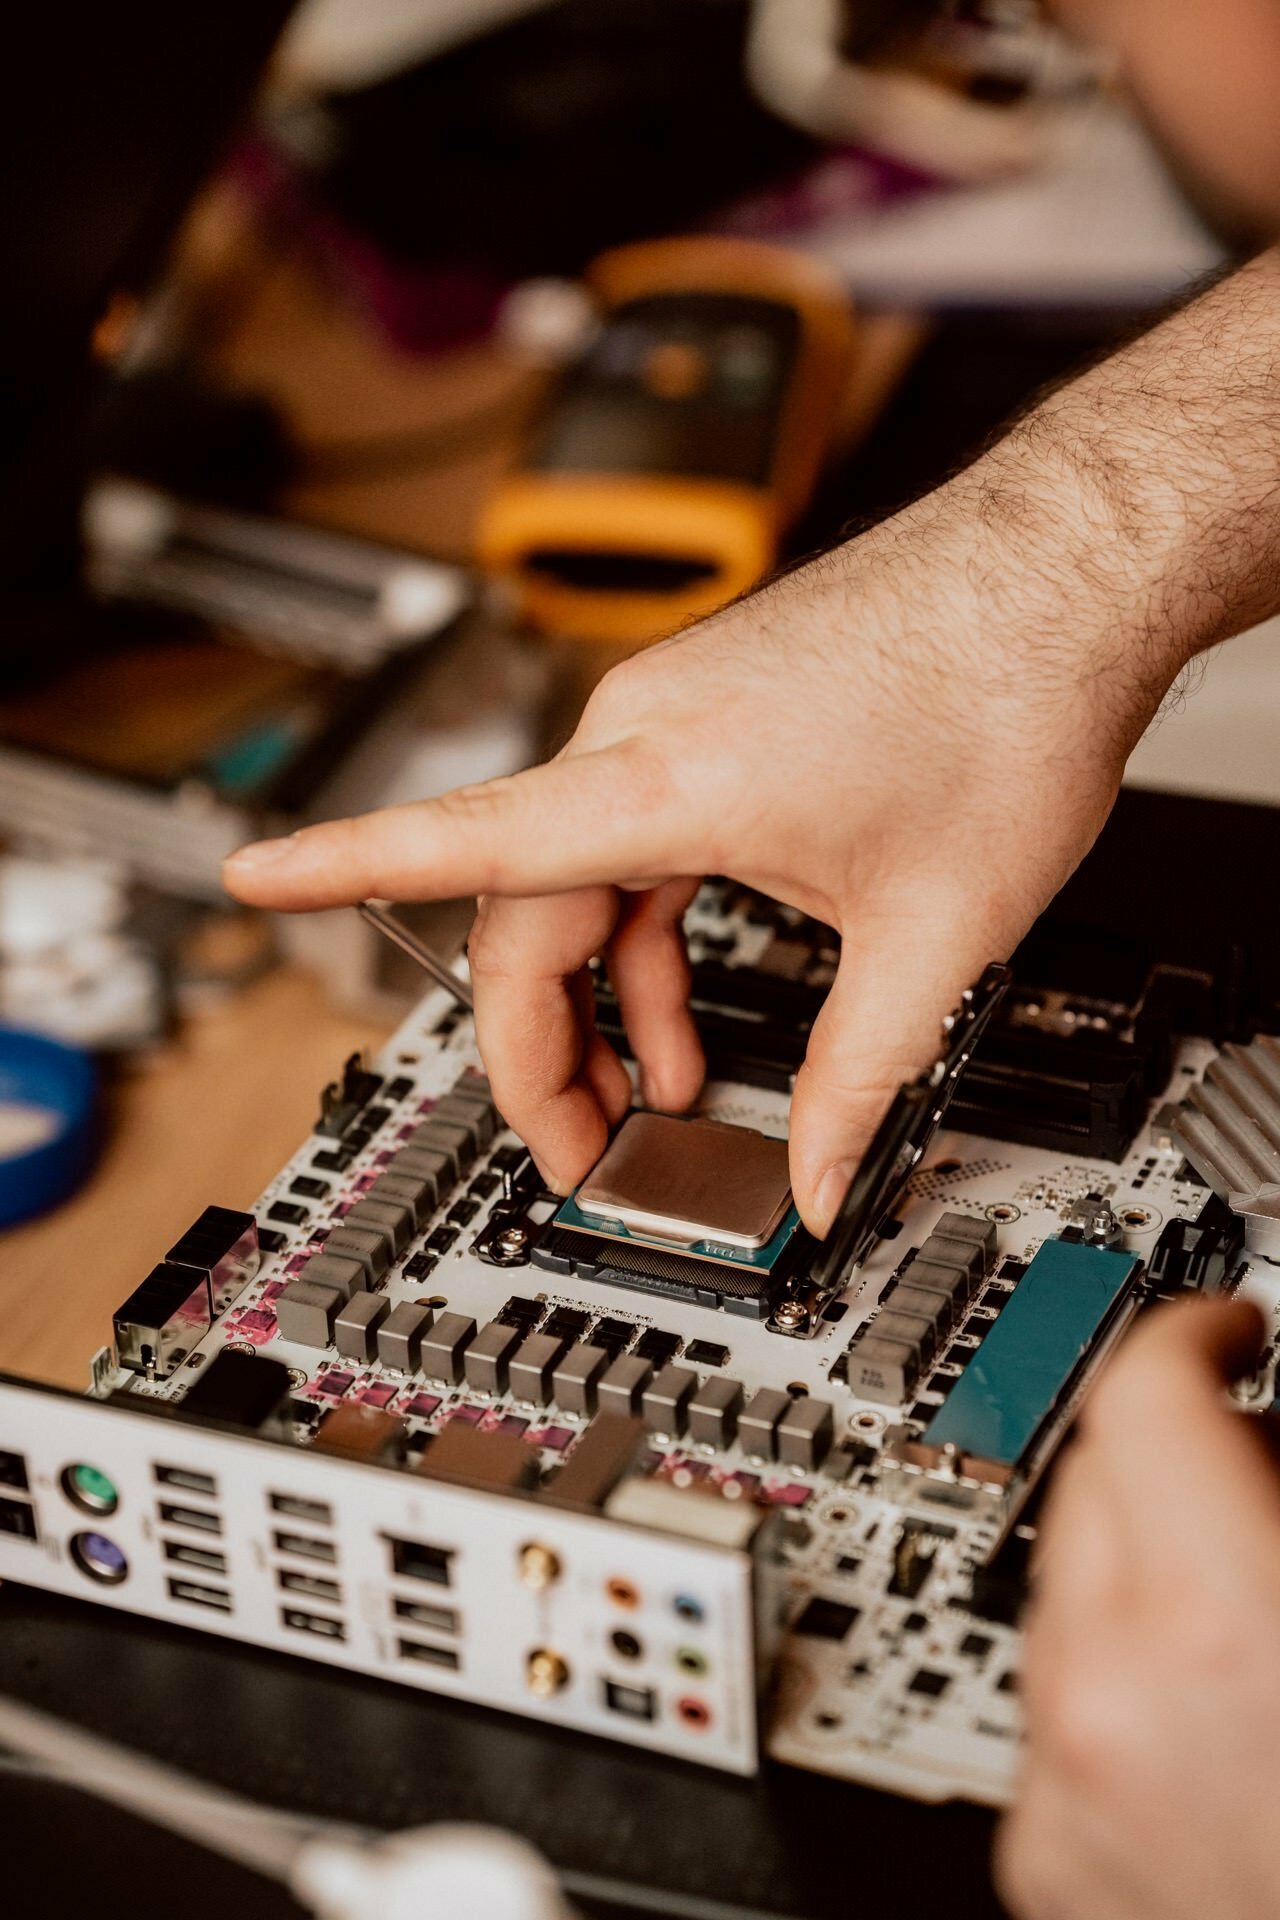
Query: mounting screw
[(510, 1246), (791, 1315)]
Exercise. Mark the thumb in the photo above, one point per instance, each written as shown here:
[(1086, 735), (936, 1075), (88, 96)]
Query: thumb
[(881, 1023), (583, 819)]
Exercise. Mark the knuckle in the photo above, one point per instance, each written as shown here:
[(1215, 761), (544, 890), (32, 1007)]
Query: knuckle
[(613, 699)]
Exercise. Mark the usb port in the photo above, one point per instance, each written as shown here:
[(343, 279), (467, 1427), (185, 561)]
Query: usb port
[(194, 1517), (203, 1557), (428, 1656), (312, 1623), (13, 1471), (216, 1598), (311, 1585), (185, 1481), (634, 1703), (17, 1519), (423, 1614), (415, 1560), (294, 1507), (304, 1547)]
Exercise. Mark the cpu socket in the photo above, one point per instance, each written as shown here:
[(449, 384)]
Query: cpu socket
[(691, 1208)]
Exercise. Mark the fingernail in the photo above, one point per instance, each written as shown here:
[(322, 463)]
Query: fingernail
[(262, 852), (832, 1188)]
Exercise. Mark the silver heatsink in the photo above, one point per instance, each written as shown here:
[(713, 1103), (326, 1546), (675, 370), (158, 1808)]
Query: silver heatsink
[(1228, 1127)]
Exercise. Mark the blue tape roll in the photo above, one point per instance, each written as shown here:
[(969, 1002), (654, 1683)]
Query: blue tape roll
[(63, 1082)]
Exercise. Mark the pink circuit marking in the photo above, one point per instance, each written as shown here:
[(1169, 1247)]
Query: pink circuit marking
[(332, 1386), (421, 1406), (786, 1493), (380, 1395), (555, 1439), (469, 1413)]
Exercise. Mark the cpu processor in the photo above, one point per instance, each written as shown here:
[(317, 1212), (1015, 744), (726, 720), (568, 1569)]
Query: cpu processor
[(689, 1207)]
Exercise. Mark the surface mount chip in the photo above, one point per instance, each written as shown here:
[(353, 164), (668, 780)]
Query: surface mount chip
[(687, 1182)]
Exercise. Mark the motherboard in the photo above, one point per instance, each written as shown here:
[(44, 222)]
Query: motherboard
[(617, 1460)]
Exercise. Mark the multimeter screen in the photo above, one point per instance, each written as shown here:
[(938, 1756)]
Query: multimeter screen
[(680, 384)]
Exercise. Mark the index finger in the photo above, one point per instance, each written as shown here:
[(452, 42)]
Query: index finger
[(584, 819)]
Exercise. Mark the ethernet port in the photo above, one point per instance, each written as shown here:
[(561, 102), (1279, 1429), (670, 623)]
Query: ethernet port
[(417, 1560), (13, 1471), (634, 1703)]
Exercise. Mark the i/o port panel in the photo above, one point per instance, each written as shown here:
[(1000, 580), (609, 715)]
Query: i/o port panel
[(494, 1635)]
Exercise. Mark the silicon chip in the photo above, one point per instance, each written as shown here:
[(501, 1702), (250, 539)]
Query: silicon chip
[(826, 1619)]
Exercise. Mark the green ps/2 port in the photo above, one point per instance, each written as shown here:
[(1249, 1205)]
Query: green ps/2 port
[(90, 1489)]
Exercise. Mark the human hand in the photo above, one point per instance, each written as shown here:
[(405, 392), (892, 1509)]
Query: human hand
[(1151, 1679), (873, 739)]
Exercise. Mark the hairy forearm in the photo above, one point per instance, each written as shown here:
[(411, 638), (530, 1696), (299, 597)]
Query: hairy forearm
[(1127, 522)]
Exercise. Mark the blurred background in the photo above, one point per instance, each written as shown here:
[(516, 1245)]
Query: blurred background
[(375, 373)]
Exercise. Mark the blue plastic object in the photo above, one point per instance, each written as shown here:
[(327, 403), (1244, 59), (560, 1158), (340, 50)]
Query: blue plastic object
[(63, 1082)]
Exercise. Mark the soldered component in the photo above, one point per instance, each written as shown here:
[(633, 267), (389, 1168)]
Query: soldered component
[(805, 1432), (251, 1393), (665, 1399), (163, 1319), (714, 1411), (342, 1100), (758, 1427), (445, 1344), (532, 1367), (339, 1270), (370, 1245), (576, 1377), (306, 1312), (623, 1384), (487, 1360), (223, 1243), (395, 1217), (401, 1335), (457, 1142), (355, 1330)]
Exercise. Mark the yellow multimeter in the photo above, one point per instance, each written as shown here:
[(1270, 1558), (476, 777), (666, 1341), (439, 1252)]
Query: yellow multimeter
[(672, 459)]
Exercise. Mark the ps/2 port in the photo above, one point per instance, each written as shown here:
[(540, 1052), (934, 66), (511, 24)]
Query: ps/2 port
[(99, 1558), (623, 1593), (90, 1489)]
